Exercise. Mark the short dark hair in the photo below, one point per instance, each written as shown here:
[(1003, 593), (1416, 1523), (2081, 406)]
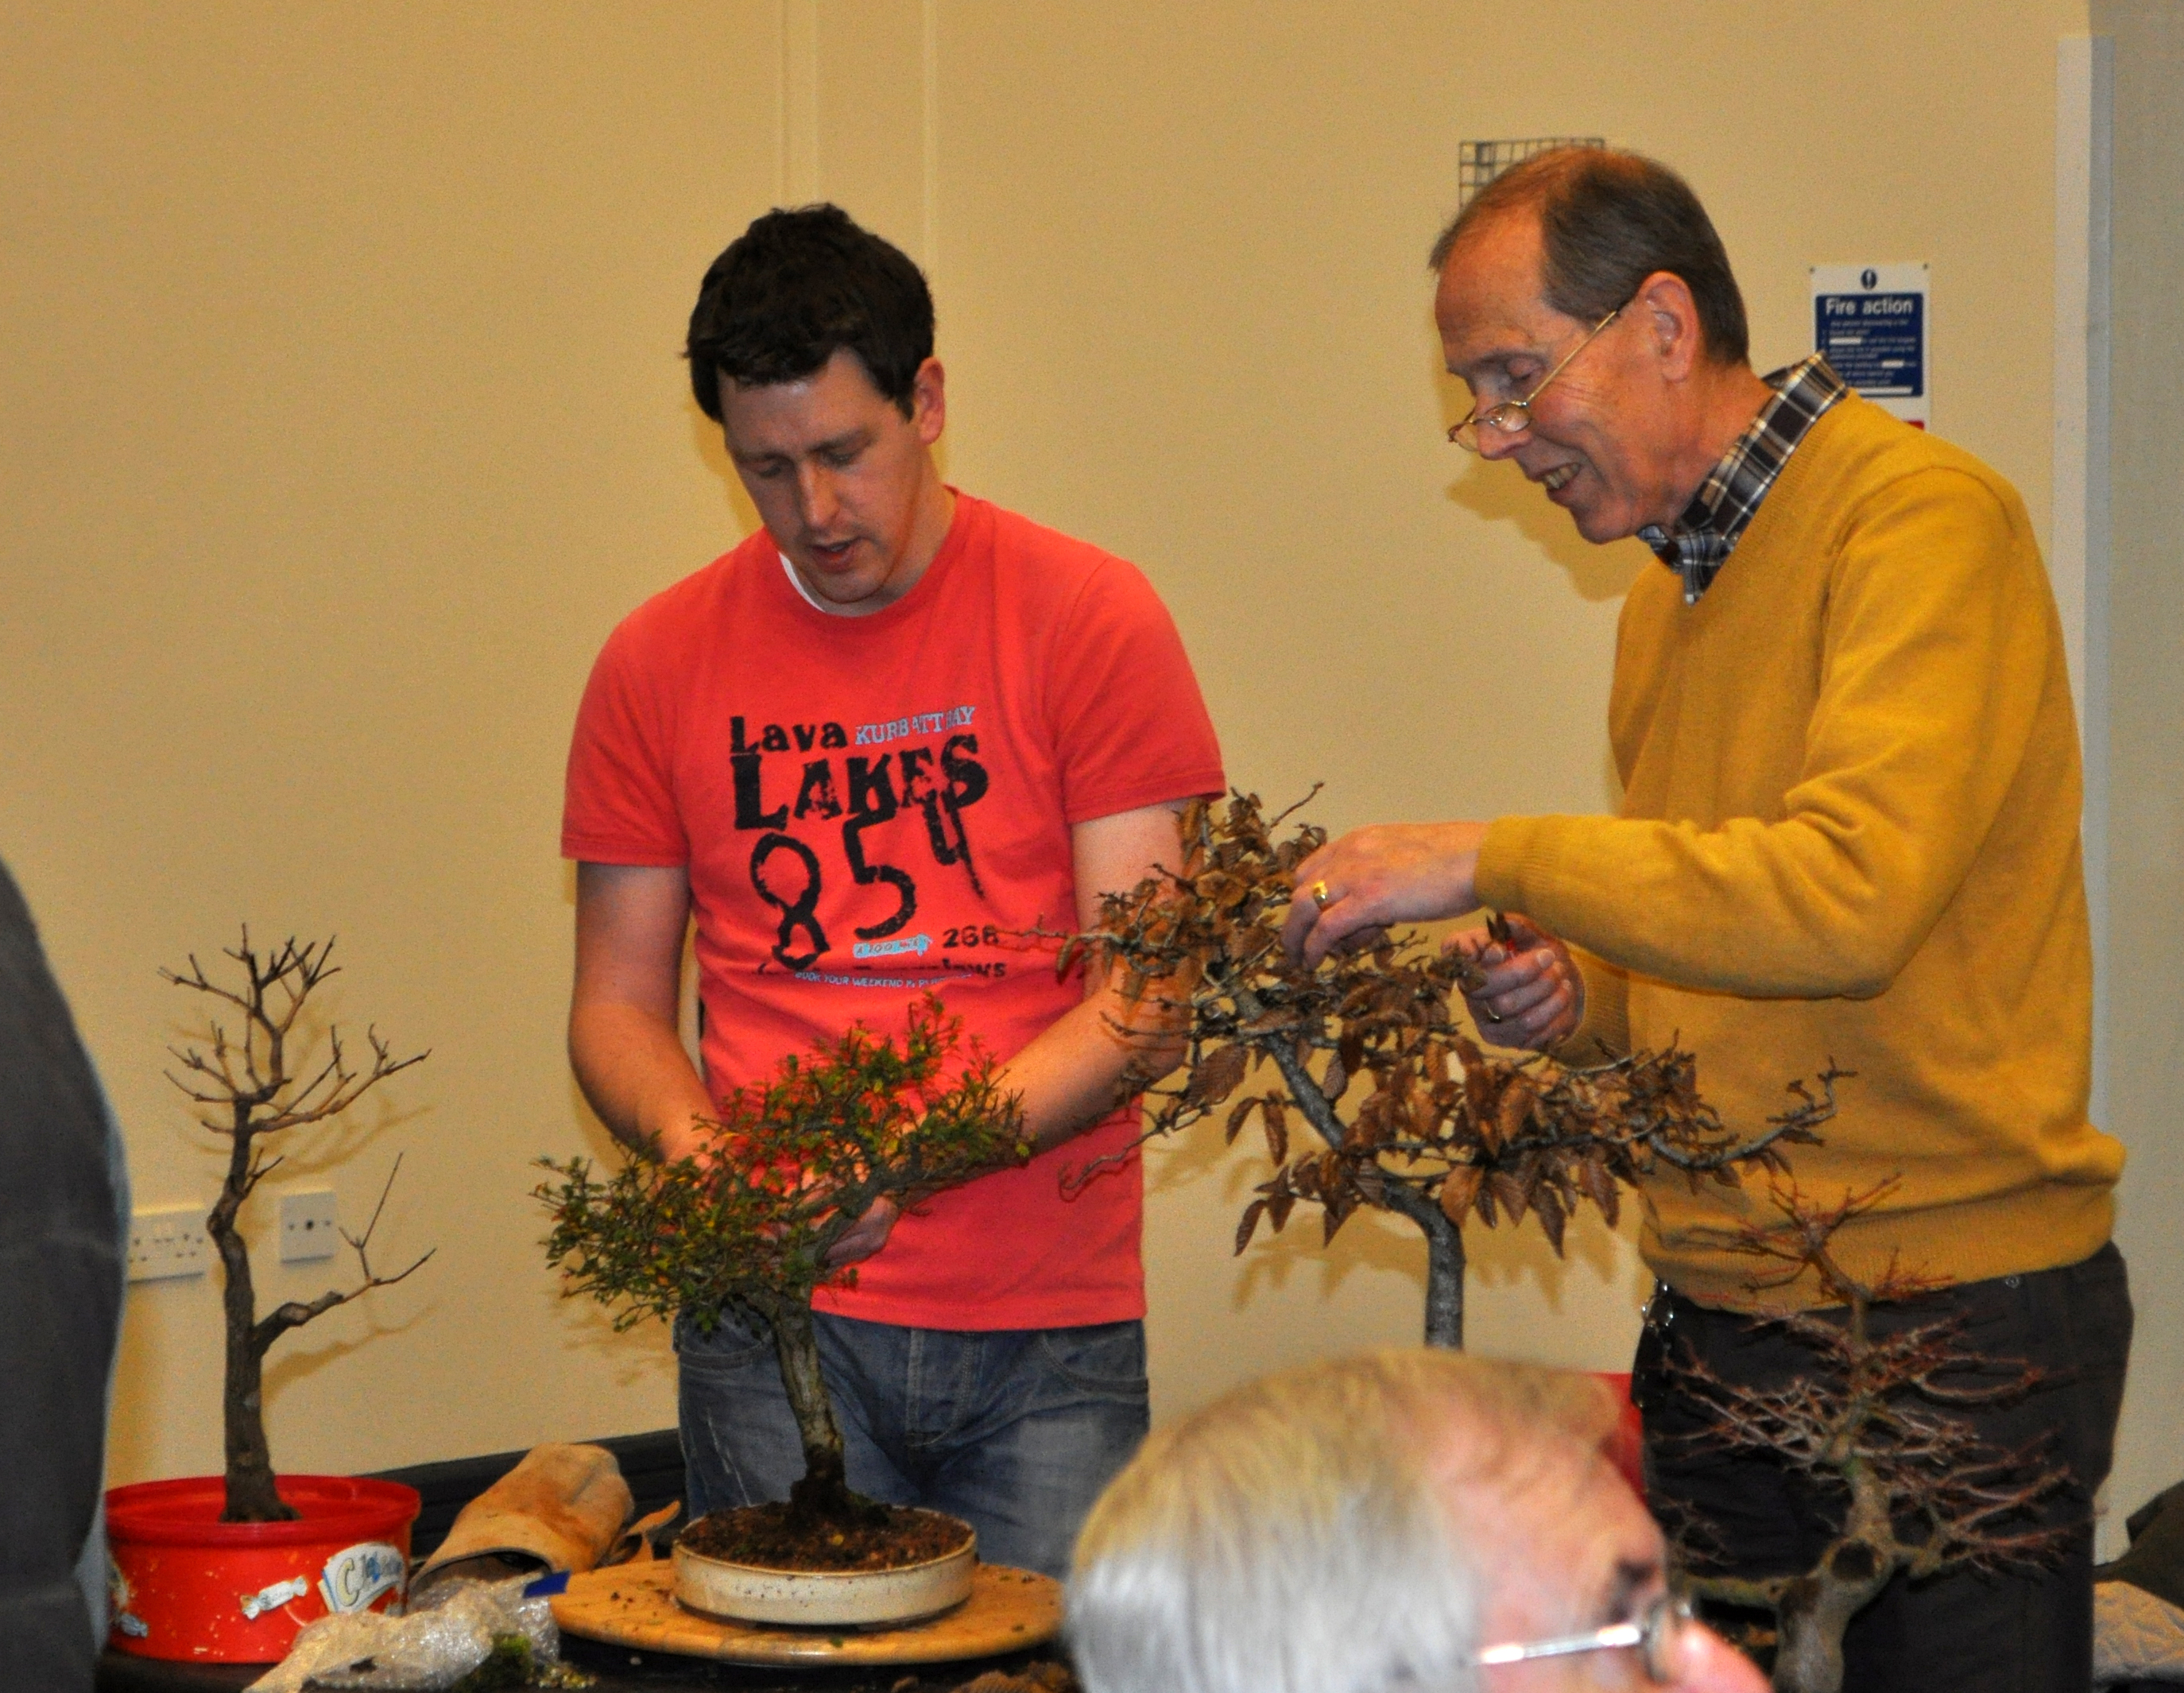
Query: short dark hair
[(1608, 219), (795, 288)]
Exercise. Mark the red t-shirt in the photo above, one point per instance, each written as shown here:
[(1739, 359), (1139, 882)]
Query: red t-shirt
[(870, 807)]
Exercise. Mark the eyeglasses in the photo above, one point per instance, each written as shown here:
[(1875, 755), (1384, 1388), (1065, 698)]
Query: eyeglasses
[(1655, 1634), (1514, 417)]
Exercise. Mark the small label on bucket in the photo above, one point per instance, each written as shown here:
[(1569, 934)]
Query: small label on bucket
[(256, 1604), (358, 1574), (119, 1596)]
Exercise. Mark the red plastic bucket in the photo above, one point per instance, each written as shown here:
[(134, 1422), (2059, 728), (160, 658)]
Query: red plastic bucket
[(185, 1586)]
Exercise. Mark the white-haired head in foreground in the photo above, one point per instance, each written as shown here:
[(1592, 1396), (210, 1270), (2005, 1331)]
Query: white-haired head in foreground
[(1328, 1529)]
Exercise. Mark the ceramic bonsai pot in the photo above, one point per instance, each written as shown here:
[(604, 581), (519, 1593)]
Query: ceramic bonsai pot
[(187, 1586), (748, 1593)]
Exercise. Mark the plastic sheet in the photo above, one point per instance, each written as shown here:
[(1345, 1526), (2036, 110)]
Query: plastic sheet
[(450, 1632)]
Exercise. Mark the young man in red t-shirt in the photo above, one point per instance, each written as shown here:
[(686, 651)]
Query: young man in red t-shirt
[(887, 735)]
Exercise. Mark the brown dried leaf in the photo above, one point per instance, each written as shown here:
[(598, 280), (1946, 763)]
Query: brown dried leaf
[(1334, 1081), (1458, 1191), (1250, 1224), (1480, 1098), (1275, 1122), (1215, 1076), (1599, 1185), (1237, 1118), (1508, 1194), (1473, 1059), (1547, 1206), (1513, 1110), (1279, 1208), (1528, 1173)]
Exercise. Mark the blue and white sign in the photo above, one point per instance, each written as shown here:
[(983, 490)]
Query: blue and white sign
[(1871, 322)]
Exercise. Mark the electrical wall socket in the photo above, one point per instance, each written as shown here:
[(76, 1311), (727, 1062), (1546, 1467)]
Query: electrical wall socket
[(309, 1226), (167, 1240)]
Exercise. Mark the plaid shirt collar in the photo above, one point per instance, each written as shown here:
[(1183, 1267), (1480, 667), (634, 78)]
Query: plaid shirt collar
[(1700, 542)]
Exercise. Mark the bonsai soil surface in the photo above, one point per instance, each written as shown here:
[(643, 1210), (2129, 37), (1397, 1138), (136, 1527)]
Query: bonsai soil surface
[(771, 1537)]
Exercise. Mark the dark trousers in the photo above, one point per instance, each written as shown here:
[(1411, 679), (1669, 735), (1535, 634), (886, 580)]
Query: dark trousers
[(2026, 1630)]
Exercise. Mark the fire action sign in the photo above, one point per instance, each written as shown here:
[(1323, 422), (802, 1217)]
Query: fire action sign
[(1870, 321)]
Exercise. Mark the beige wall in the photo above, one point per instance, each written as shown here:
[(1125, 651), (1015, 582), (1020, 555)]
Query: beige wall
[(343, 418), (2145, 633)]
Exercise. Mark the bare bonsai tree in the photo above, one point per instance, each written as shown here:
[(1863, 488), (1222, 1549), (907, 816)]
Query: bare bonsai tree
[(748, 1219), (1438, 1129), (250, 1085), (1921, 1492)]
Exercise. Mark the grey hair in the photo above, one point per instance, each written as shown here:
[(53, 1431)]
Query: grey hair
[(1318, 1531)]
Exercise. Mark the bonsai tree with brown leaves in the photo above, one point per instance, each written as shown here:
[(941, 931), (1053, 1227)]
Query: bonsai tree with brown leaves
[(748, 1219), (1877, 1425), (253, 1077), (1436, 1129)]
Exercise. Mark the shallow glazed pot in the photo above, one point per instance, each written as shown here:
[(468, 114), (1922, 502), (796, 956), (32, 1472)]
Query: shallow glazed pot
[(749, 1593), (186, 1586)]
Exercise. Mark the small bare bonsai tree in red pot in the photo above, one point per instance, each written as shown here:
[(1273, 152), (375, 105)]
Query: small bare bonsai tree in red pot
[(258, 1071)]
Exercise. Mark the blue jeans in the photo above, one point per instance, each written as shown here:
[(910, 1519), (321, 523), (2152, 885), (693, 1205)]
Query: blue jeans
[(1015, 1430)]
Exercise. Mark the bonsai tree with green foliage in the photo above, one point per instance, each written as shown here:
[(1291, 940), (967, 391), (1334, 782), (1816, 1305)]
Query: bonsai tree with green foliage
[(260, 1080), (747, 1220)]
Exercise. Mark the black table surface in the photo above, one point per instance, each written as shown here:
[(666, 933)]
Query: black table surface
[(620, 1669)]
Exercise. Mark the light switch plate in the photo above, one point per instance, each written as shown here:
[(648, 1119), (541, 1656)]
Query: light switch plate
[(309, 1226)]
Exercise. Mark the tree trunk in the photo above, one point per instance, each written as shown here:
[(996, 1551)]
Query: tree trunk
[(1444, 1239), (1444, 1265), (251, 1495), (823, 1494), (1816, 1608)]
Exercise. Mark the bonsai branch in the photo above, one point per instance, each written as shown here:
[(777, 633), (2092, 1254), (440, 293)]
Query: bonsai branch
[(294, 1313)]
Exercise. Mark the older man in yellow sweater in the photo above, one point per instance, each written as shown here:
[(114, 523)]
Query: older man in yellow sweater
[(1849, 832)]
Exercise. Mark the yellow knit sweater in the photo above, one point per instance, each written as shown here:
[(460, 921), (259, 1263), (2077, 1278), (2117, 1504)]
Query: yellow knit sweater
[(1849, 832)]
